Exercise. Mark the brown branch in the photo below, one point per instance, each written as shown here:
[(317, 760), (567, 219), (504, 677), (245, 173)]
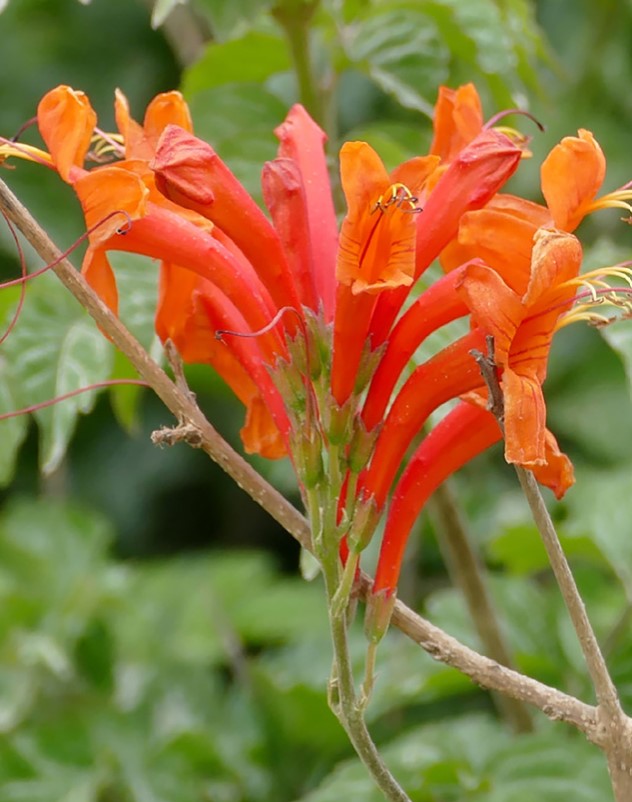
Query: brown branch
[(484, 671)]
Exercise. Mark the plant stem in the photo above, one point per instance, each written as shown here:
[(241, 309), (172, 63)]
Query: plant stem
[(348, 709), (604, 687), (294, 18), (618, 743), (468, 574)]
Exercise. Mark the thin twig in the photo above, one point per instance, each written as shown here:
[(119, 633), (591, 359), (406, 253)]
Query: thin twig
[(482, 670), (615, 725)]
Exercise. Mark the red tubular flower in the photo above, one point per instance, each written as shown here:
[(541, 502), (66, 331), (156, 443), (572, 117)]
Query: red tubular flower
[(461, 435), (284, 195), (464, 432), (449, 374), (191, 174), (302, 142)]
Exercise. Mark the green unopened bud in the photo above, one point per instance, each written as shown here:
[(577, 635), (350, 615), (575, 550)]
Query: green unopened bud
[(366, 517), (379, 610)]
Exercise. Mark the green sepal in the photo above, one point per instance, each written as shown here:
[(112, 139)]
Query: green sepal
[(338, 420), (308, 456), (291, 385), (361, 445), (378, 614), (369, 360), (366, 516)]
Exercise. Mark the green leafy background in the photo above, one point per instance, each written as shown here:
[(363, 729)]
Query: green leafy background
[(156, 641)]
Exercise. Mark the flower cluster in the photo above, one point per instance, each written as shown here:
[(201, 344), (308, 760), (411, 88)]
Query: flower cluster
[(313, 327)]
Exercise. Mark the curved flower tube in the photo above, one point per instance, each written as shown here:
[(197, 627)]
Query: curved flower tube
[(464, 433)]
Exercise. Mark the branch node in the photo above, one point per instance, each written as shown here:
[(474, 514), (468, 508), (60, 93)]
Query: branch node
[(489, 371), (182, 433)]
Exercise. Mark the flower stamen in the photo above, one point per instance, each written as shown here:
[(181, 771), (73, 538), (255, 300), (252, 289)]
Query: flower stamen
[(399, 196), (103, 146), (616, 200), (597, 292)]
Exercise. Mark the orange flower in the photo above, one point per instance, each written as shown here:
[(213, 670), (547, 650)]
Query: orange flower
[(125, 211), (572, 175), (523, 328), (502, 233)]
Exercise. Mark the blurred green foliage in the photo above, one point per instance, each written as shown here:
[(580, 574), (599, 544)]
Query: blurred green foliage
[(150, 651)]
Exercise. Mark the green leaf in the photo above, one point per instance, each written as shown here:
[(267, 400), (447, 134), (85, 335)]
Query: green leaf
[(239, 121), (519, 548), (55, 349), (12, 430), (602, 510), (252, 58), (471, 759), (619, 338), (230, 18), (404, 54)]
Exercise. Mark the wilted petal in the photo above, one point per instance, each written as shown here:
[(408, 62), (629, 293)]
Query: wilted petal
[(494, 306)]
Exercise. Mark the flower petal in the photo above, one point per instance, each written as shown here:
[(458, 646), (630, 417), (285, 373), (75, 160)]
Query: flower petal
[(501, 235), (557, 473), (525, 420), (66, 122), (377, 247), (108, 190), (496, 308), (458, 119), (571, 176), (259, 434), (97, 271)]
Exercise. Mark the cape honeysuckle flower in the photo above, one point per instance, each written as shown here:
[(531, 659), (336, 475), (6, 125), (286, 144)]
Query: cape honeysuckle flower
[(124, 211), (522, 327), (502, 233)]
